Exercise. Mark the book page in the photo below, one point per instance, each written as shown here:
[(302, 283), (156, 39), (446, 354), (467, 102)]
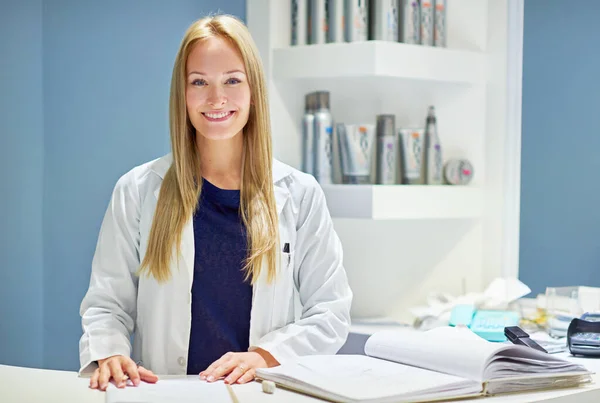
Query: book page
[(181, 390), (516, 360), (362, 378), (451, 350)]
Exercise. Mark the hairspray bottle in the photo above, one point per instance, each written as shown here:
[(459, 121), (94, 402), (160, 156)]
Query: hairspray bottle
[(308, 133), (439, 24), (427, 22), (323, 127), (432, 152), (299, 22), (384, 20), (388, 155), (409, 21), (357, 20), (335, 20), (318, 23)]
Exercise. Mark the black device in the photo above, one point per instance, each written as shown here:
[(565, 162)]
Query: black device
[(516, 335), (583, 335)]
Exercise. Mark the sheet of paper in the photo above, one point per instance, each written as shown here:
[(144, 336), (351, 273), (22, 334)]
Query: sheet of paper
[(182, 390), (451, 350), (360, 378)]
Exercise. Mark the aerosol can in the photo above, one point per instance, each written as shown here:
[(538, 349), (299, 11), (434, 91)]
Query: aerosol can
[(308, 133), (432, 157), (323, 157)]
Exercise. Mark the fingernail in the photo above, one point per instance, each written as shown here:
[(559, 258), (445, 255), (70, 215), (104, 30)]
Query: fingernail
[(203, 377), (211, 378)]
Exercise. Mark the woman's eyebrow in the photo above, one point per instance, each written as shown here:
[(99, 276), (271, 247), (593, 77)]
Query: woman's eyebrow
[(227, 72)]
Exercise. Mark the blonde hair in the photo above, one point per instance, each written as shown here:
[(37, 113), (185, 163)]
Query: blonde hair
[(180, 189)]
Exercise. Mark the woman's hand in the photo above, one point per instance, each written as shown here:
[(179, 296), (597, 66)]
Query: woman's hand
[(238, 367), (120, 368)]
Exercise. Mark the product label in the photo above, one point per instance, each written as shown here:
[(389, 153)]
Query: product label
[(412, 140), (439, 31), (324, 156), (426, 22)]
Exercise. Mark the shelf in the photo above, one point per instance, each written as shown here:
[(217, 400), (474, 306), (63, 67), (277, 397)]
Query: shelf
[(403, 202), (368, 327), (379, 59)]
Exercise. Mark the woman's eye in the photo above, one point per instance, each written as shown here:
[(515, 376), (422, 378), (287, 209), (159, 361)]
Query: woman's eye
[(199, 82), (233, 81)]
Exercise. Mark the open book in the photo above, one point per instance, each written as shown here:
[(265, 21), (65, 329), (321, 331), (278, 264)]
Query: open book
[(443, 363)]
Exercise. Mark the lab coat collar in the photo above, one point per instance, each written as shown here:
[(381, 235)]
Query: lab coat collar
[(280, 171), (162, 165)]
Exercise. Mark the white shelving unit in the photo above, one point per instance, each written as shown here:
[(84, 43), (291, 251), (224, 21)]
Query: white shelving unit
[(389, 202), (379, 59), (403, 242)]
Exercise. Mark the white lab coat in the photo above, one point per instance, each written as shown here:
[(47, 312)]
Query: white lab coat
[(306, 311)]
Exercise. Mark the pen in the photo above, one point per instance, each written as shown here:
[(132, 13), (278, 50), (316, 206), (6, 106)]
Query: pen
[(234, 398)]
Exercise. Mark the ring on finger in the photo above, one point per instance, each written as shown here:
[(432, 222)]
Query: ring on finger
[(243, 368)]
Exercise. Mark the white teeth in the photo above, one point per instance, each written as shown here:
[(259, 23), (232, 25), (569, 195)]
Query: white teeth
[(217, 115)]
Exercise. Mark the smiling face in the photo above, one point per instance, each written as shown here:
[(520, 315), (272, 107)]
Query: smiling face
[(217, 91)]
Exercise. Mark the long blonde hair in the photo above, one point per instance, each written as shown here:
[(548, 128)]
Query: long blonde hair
[(180, 189)]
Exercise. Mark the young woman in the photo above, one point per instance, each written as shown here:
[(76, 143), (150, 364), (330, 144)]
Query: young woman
[(216, 258)]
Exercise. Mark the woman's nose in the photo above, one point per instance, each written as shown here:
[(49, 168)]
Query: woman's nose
[(216, 96)]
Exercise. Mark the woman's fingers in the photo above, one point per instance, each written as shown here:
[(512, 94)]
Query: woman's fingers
[(132, 371), (223, 369), (147, 376), (116, 373), (248, 376), (104, 376), (94, 379), (208, 371), (237, 372), (120, 369)]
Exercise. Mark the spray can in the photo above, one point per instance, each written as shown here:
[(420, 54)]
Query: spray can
[(308, 133), (357, 20), (432, 158), (384, 20), (409, 22), (388, 155), (336, 21), (318, 24), (299, 22), (323, 130), (427, 22), (439, 24)]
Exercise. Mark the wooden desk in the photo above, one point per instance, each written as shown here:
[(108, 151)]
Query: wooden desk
[(29, 385)]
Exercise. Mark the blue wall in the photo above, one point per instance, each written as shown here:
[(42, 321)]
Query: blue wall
[(560, 189), (106, 75), (21, 175)]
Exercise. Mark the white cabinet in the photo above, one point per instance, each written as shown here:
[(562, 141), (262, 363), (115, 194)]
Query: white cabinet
[(402, 242)]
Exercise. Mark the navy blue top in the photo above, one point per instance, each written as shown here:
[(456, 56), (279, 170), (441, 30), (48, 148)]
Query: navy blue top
[(221, 300)]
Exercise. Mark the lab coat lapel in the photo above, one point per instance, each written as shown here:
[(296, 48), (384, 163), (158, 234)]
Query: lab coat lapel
[(263, 293)]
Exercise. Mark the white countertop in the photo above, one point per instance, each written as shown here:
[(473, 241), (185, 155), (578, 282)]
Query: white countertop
[(30, 385)]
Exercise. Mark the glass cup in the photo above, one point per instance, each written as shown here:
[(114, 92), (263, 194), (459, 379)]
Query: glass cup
[(562, 305)]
